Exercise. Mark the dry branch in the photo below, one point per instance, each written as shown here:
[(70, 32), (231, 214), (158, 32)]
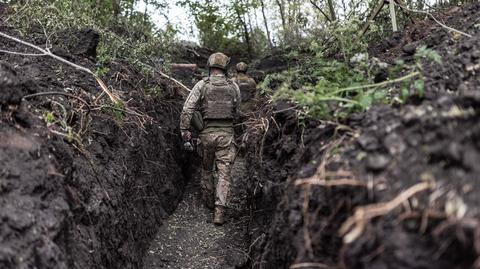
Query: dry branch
[(174, 80), (353, 227), (332, 183), (47, 52)]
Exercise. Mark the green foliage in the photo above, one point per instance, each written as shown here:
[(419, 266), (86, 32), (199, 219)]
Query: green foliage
[(49, 117), (345, 34), (155, 91), (101, 71), (427, 54), (128, 35), (320, 93), (417, 86), (223, 26), (328, 88)]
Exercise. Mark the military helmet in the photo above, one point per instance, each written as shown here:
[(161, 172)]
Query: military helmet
[(218, 60), (242, 67)]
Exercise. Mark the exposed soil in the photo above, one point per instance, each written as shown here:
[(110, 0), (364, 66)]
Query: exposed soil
[(389, 150), (93, 203)]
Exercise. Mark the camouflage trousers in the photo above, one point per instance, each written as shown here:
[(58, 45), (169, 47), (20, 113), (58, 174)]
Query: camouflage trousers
[(218, 152)]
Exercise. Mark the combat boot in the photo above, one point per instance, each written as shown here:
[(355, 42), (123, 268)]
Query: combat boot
[(219, 216)]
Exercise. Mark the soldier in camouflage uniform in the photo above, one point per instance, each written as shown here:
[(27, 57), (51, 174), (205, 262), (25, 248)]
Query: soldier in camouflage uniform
[(247, 85), (217, 98)]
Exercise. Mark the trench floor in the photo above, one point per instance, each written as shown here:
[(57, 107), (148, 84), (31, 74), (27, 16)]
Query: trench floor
[(189, 239)]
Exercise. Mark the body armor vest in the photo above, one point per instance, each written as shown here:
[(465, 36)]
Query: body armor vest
[(218, 102), (246, 90)]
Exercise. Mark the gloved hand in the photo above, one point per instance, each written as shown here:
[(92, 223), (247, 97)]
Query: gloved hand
[(186, 135)]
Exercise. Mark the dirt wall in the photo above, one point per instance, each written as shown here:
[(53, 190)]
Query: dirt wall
[(92, 202), (429, 143)]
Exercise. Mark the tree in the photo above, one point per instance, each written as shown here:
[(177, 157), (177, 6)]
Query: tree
[(270, 44)]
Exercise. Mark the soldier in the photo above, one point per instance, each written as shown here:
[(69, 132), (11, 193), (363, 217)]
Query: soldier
[(247, 85), (217, 98)]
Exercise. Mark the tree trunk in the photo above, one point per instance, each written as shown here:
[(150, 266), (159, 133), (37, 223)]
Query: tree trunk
[(281, 6), (246, 33), (332, 10), (270, 44), (116, 8), (145, 13), (315, 5)]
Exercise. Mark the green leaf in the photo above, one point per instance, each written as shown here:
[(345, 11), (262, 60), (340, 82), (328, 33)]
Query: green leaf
[(379, 95), (419, 85), (365, 101), (404, 93), (49, 117)]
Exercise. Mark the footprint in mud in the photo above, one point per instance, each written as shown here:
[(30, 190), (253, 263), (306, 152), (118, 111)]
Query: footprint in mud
[(189, 239)]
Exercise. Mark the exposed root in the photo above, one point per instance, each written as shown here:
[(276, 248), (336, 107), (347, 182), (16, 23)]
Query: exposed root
[(353, 227)]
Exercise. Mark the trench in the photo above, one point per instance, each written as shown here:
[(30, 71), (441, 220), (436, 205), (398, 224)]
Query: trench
[(189, 239)]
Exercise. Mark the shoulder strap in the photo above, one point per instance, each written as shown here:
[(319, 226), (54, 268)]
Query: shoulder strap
[(206, 81)]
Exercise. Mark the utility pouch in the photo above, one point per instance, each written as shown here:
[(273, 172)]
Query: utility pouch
[(197, 121)]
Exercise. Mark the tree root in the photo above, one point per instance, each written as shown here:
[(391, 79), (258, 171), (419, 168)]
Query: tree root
[(353, 227)]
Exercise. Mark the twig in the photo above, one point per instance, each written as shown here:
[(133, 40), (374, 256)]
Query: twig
[(57, 93), (47, 52), (353, 227), (400, 79), (174, 80), (22, 54), (437, 21)]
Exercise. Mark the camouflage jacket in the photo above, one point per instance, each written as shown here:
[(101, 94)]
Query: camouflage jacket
[(247, 86), (193, 103)]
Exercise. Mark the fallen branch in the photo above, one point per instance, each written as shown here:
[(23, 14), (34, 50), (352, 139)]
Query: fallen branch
[(47, 52), (353, 227)]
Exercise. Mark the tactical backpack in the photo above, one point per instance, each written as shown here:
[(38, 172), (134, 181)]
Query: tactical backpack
[(218, 99), (245, 88)]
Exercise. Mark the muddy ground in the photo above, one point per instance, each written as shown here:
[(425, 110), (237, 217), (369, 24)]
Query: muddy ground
[(429, 143)]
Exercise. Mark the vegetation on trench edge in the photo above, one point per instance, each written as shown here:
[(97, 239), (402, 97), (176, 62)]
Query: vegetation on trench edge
[(324, 89)]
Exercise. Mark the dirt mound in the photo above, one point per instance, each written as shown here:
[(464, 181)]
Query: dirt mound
[(429, 144), (79, 187)]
